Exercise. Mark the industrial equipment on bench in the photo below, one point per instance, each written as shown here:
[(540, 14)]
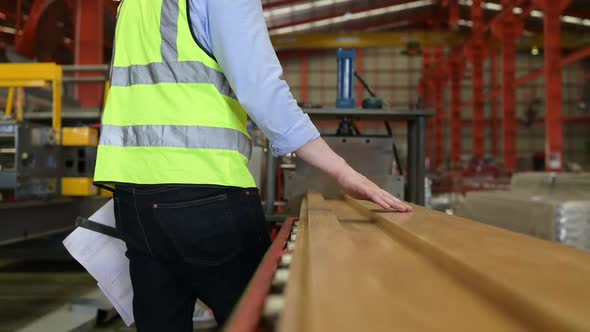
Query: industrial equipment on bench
[(372, 155), (348, 266)]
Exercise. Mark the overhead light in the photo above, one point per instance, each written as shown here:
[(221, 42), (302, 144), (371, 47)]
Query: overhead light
[(465, 23), (571, 19), (353, 16), (8, 30), (537, 14), (535, 50), (492, 6)]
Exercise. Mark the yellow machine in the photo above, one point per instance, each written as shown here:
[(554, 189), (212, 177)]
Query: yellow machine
[(38, 161)]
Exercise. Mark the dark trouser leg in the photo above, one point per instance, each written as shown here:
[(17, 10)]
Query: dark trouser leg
[(188, 242), (221, 286), (163, 300)]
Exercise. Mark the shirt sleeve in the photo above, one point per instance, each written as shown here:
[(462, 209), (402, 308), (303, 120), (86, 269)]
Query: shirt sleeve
[(241, 45)]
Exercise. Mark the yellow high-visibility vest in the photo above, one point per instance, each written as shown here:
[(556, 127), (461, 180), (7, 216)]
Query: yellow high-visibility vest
[(171, 116)]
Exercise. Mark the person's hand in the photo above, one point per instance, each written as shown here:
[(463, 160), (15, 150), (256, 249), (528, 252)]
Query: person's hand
[(358, 186), (320, 155)]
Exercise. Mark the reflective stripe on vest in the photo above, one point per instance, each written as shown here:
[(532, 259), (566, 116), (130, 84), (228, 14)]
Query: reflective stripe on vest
[(174, 72), (177, 137)]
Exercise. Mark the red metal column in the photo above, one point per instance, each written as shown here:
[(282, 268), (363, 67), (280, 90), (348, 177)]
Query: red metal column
[(89, 48), (494, 103), (457, 68), (509, 94), (424, 85), (553, 83), (507, 30), (439, 82), (19, 14), (477, 47), (454, 14), (304, 79), (425, 92)]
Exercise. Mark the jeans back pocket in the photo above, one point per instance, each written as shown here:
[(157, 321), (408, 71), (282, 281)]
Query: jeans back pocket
[(202, 230)]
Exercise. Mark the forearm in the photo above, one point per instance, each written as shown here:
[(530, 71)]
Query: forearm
[(318, 154)]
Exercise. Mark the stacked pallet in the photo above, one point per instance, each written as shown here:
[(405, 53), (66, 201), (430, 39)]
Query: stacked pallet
[(550, 206)]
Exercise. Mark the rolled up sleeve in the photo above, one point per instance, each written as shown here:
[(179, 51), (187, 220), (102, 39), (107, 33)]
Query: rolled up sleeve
[(242, 47)]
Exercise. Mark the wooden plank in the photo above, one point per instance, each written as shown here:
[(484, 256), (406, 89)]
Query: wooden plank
[(354, 271), (543, 284), (292, 318)]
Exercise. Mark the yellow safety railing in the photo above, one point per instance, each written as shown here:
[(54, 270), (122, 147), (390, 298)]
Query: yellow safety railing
[(16, 77)]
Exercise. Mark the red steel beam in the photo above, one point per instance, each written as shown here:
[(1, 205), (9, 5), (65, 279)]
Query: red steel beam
[(553, 85), (438, 119), (456, 116), (89, 48), (454, 14), (575, 56), (477, 46), (494, 104), (25, 41), (425, 83), (507, 10), (509, 96), (571, 58), (304, 80), (508, 38), (527, 11), (19, 14), (425, 86)]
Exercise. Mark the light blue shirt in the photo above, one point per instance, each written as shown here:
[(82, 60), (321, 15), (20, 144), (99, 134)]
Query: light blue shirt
[(235, 32)]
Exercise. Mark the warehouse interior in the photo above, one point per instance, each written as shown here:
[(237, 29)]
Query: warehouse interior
[(476, 112)]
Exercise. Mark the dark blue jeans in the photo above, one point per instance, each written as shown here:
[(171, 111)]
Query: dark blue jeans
[(188, 242)]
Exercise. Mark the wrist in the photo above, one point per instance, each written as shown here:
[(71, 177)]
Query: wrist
[(342, 169)]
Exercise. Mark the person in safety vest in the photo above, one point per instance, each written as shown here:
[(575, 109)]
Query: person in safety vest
[(174, 148)]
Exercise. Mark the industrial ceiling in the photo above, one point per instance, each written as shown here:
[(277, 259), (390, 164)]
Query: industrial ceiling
[(44, 29)]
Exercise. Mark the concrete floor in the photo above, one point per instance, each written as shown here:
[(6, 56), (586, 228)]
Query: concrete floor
[(38, 277), (28, 291)]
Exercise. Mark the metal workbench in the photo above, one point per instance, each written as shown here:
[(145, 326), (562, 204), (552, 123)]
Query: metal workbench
[(416, 122)]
